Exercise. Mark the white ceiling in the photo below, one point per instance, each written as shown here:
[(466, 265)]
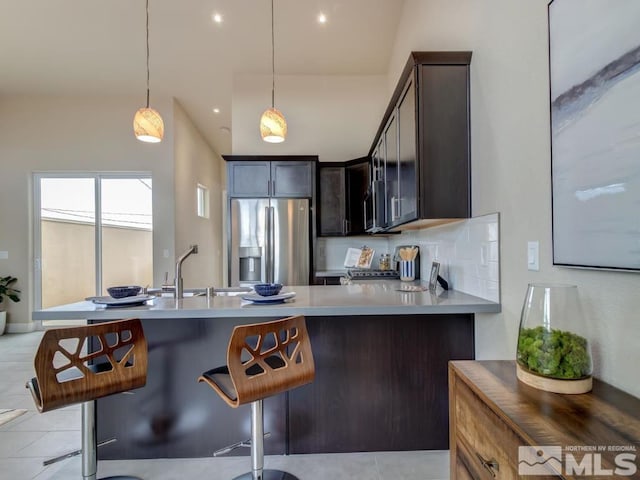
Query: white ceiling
[(98, 47)]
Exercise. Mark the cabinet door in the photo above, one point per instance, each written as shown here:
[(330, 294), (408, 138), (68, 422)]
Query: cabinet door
[(407, 208), (357, 178), (332, 201), (444, 144), (377, 161), (378, 211), (248, 179), (292, 179), (391, 170), (361, 399)]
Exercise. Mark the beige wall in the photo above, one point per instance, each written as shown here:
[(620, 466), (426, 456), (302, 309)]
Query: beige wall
[(511, 169), (68, 253), (72, 133), (334, 117), (196, 163), (94, 134)]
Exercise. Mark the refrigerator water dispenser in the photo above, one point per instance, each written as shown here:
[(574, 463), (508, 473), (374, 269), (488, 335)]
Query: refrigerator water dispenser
[(250, 264)]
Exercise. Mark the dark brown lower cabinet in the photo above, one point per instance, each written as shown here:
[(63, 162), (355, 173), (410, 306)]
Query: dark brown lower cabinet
[(381, 384), (327, 280)]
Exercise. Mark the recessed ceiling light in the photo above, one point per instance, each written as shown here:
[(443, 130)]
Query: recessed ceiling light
[(216, 17), (216, 110), (322, 18)]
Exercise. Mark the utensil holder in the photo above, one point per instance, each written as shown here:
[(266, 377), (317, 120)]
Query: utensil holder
[(407, 270)]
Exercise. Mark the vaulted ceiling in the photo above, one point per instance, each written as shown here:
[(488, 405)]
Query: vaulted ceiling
[(98, 47)]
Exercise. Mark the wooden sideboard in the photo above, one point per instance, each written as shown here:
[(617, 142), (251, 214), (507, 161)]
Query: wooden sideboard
[(492, 414)]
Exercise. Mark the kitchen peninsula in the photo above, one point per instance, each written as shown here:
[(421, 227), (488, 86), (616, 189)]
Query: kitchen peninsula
[(381, 372)]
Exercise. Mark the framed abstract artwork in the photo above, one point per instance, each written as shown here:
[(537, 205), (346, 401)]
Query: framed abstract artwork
[(594, 69)]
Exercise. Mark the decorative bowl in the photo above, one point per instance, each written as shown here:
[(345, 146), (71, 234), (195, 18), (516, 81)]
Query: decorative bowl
[(124, 291), (267, 289)]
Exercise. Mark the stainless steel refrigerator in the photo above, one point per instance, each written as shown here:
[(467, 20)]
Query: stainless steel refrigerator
[(269, 241)]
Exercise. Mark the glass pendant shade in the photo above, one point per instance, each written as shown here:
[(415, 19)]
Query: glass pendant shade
[(273, 126), (553, 354), (148, 125)]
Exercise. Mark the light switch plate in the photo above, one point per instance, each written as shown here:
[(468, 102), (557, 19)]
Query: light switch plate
[(4, 255), (533, 256)]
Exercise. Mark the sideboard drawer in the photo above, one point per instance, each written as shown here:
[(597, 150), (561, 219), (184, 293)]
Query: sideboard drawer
[(491, 446), (492, 414)]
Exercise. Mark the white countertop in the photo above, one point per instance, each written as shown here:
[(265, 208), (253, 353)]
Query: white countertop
[(376, 297)]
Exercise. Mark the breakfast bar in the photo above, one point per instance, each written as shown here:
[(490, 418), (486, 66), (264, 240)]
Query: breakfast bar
[(380, 352)]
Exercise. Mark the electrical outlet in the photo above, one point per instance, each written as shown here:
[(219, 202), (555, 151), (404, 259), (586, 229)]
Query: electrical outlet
[(533, 256)]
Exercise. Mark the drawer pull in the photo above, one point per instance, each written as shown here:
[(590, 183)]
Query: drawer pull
[(492, 465)]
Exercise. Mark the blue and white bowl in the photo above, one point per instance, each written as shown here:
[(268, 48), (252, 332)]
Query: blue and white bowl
[(267, 289), (124, 291)]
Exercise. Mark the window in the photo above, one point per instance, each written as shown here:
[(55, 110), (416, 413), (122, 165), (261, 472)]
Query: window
[(202, 194), (92, 231)]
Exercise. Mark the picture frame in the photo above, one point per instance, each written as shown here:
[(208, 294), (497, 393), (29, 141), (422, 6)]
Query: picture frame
[(594, 80), (433, 276)]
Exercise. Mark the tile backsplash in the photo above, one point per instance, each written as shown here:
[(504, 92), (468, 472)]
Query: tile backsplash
[(468, 252), (331, 251)]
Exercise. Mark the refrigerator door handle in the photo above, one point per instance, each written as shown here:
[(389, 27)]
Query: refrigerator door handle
[(269, 244)]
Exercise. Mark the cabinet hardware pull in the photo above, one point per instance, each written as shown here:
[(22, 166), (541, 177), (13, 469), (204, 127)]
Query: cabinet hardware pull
[(395, 208), (364, 214), (491, 465)]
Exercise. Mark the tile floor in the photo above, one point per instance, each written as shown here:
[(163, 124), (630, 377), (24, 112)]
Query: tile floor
[(29, 439)]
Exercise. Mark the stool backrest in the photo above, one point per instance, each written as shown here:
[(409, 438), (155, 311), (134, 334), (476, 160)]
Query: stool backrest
[(268, 358), (67, 373)]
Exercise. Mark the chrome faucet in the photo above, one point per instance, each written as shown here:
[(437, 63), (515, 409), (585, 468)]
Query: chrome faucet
[(178, 291)]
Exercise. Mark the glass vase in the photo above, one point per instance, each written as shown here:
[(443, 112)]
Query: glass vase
[(553, 353)]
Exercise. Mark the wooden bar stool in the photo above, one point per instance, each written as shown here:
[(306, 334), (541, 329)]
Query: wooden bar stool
[(263, 359), (81, 364)]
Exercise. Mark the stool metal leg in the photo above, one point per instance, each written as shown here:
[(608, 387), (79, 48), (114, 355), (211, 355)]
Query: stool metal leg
[(89, 441), (257, 439), (257, 450), (89, 445)]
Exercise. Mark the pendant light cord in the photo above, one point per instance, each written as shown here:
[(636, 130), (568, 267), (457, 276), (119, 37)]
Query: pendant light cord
[(147, 53), (273, 62)]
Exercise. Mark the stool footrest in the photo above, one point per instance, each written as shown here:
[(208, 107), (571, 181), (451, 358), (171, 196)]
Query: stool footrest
[(233, 446), (121, 477), (268, 475), (74, 453)]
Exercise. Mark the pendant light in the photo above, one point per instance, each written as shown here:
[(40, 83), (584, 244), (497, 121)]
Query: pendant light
[(147, 122), (273, 126)]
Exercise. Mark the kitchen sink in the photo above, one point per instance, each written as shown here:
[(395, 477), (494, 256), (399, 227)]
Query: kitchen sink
[(202, 292), (231, 291)]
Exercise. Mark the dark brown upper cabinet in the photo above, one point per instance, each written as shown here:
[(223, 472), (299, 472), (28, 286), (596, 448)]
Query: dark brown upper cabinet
[(271, 176), (342, 188), (422, 146)]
